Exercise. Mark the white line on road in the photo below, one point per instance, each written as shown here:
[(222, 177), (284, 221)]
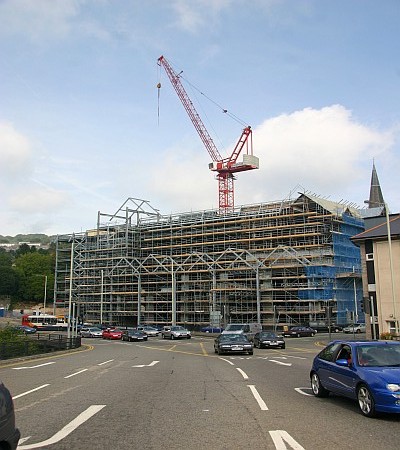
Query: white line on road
[(69, 428), (301, 391), (105, 362), (32, 390), (244, 375), (33, 367), (280, 437), (257, 396), (227, 360), (147, 365), (76, 373), (280, 362)]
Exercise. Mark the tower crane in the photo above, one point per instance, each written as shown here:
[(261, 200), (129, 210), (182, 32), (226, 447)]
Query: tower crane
[(224, 167)]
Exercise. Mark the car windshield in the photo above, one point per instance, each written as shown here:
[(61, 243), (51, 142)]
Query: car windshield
[(232, 337), (94, 329), (233, 327), (379, 355), (178, 328)]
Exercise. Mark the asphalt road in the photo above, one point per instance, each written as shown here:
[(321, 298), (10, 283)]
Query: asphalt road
[(180, 395)]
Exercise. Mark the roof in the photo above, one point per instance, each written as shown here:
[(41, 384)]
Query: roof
[(336, 208), (380, 231)]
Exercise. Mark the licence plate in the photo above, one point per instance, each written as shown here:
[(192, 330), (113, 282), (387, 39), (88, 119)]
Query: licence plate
[(236, 347), (273, 343)]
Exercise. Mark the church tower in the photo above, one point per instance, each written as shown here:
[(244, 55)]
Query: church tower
[(375, 193)]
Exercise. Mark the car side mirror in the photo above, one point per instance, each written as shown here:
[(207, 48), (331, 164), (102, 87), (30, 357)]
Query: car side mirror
[(342, 362)]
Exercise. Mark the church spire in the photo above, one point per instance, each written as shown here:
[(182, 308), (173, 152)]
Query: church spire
[(375, 193)]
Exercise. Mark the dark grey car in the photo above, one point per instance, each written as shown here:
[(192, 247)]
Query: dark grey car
[(9, 434), (267, 339)]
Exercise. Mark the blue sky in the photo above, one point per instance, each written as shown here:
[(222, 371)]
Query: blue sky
[(317, 80)]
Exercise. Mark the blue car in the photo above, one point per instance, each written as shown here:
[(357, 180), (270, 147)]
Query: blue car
[(366, 371)]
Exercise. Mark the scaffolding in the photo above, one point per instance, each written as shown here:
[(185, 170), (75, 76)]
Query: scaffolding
[(274, 263)]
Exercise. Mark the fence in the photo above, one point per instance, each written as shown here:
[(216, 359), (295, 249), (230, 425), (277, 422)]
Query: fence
[(34, 345)]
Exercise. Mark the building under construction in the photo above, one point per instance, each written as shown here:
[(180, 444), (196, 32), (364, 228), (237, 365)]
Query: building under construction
[(279, 263)]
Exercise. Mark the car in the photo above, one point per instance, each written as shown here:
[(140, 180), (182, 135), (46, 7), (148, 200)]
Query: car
[(9, 434), (211, 329), (112, 333), (134, 335), (175, 332), (148, 330), (232, 343), (25, 329), (268, 339), (356, 328), (91, 332), (366, 371), (299, 332)]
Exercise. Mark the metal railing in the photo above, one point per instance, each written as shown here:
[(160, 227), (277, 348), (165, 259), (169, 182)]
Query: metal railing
[(38, 344)]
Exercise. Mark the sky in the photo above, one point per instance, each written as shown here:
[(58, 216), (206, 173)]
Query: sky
[(83, 126)]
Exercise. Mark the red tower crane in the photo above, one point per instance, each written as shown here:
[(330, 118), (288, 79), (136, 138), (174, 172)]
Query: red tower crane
[(225, 167)]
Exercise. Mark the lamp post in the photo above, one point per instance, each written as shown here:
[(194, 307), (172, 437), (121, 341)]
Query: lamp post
[(45, 294)]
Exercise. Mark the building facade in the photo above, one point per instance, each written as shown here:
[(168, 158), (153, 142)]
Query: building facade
[(380, 252), (279, 263)]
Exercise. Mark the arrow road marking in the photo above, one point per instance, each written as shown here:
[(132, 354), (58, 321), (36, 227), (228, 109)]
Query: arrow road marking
[(147, 365), (280, 437), (68, 429)]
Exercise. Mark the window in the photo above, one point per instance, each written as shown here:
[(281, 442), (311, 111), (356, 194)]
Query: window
[(328, 352)]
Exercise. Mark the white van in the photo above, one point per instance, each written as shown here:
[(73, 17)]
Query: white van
[(248, 329)]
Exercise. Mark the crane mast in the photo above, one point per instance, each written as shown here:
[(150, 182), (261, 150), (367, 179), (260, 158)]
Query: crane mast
[(225, 167)]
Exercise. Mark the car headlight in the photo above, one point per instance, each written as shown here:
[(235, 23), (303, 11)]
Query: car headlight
[(393, 387)]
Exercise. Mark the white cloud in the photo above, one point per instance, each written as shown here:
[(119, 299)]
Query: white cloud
[(325, 150), (15, 154)]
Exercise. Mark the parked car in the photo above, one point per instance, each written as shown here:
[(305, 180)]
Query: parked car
[(25, 329), (134, 335), (112, 333), (267, 339), (9, 434), (356, 328), (91, 332), (232, 343), (366, 371), (175, 332), (148, 330), (211, 329), (300, 332)]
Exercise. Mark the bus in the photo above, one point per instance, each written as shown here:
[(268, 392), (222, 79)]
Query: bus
[(45, 322)]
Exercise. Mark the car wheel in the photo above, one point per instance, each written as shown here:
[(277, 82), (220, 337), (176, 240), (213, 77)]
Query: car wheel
[(250, 353), (163, 336), (283, 347), (358, 331), (366, 402), (215, 350), (172, 337), (298, 335), (316, 386)]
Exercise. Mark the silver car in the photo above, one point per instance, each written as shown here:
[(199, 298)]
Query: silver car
[(91, 332), (147, 329), (356, 328), (175, 332)]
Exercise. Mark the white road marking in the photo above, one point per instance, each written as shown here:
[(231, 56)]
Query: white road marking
[(32, 390), (301, 391), (227, 360), (244, 375), (34, 367), (257, 396), (280, 437), (76, 373), (105, 362), (68, 429), (147, 365), (280, 362)]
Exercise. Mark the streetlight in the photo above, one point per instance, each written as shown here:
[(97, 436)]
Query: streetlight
[(45, 293)]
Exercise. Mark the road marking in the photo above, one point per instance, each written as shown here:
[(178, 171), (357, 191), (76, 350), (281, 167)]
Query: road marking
[(68, 429), (280, 437), (33, 367), (301, 391), (244, 375), (280, 362), (257, 396), (203, 349), (76, 373), (105, 362), (32, 390), (227, 360), (147, 365)]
